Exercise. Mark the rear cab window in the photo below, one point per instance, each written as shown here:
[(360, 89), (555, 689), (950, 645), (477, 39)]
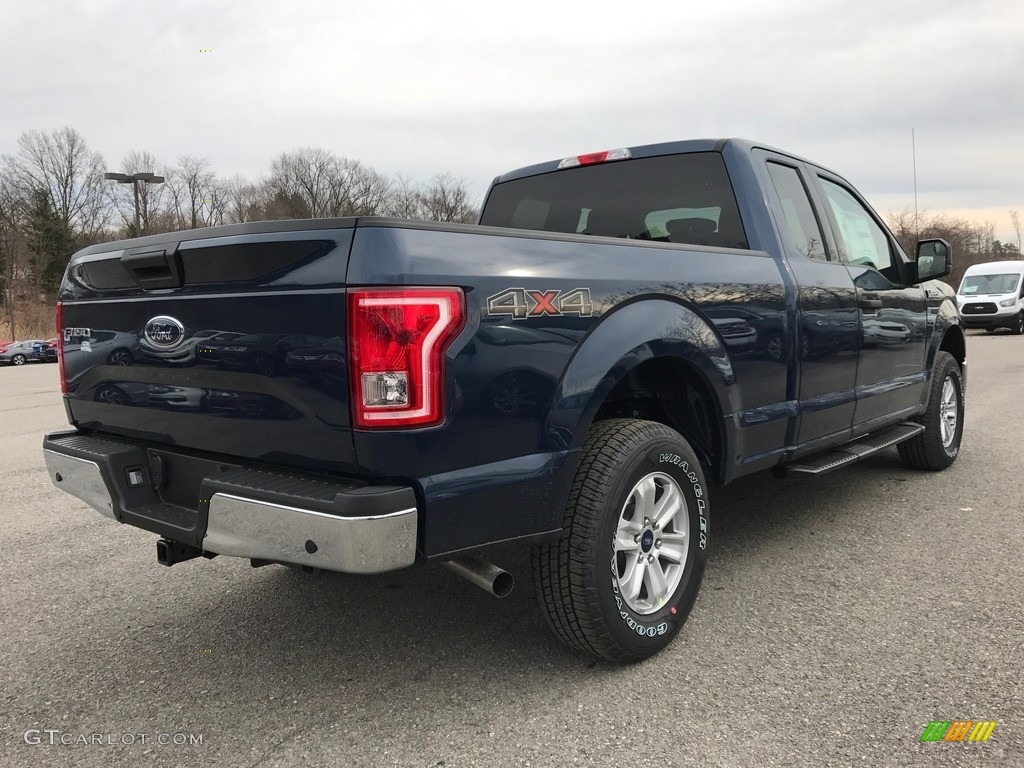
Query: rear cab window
[(685, 198)]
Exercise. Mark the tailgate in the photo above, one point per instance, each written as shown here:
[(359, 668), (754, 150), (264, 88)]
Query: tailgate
[(229, 341)]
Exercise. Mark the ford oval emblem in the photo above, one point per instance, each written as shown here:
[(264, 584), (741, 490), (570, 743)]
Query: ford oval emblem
[(164, 332)]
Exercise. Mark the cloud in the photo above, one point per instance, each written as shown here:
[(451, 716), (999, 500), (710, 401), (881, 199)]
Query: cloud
[(421, 88)]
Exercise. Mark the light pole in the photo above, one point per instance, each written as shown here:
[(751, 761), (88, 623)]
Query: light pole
[(134, 179)]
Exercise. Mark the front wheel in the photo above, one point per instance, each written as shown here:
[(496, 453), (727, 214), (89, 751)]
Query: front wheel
[(120, 357), (621, 582), (1018, 329), (938, 446), (18, 360)]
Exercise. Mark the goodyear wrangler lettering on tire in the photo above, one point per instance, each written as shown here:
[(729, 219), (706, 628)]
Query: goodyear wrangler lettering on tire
[(638, 508), (671, 458), (649, 630), (698, 490)]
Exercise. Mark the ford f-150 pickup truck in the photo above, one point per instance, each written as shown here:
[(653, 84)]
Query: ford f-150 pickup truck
[(619, 331)]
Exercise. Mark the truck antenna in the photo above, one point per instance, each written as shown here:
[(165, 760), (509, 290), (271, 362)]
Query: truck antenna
[(913, 150)]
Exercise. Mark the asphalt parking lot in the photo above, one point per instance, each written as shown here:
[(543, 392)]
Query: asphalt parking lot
[(838, 617)]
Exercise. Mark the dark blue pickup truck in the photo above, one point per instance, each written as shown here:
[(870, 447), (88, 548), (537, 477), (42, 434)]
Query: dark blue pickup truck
[(621, 330)]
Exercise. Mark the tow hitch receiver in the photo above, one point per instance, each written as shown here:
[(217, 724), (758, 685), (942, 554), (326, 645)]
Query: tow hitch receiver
[(169, 552)]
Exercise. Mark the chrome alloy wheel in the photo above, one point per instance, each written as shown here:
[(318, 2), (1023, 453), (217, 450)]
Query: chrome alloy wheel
[(949, 412), (650, 543)]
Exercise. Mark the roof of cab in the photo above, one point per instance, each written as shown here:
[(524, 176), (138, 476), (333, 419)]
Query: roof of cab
[(664, 148)]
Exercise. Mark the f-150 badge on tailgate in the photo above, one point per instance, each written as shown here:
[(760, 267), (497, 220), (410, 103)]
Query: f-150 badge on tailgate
[(520, 303), (164, 332)]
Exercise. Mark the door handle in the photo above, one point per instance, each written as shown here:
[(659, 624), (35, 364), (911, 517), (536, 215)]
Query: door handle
[(154, 269), (870, 303)]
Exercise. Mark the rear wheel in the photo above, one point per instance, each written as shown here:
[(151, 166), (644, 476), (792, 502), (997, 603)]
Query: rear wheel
[(938, 446), (620, 584)]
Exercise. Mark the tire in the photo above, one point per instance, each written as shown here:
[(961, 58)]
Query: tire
[(1018, 329), (112, 395), (776, 347), (595, 597), (939, 445), (264, 365), (18, 360), (119, 356)]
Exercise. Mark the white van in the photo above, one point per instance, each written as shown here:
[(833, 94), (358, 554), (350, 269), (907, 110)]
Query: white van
[(992, 296)]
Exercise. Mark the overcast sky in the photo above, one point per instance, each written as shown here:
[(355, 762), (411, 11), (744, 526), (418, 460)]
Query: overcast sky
[(478, 88)]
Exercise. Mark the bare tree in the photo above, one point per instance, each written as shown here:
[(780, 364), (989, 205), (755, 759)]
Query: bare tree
[(1015, 221), (971, 243), (316, 183), (405, 200), (243, 200), (71, 175), (365, 191), (57, 184), (10, 237), (447, 199), (197, 199), (309, 175)]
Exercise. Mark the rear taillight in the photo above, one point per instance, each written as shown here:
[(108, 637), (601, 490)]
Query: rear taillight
[(397, 343), (60, 348)]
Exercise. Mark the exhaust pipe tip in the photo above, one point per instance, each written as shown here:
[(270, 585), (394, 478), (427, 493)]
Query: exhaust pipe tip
[(502, 584), (483, 574)]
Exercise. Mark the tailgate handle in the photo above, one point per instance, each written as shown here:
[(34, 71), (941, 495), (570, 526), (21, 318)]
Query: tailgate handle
[(153, 270)]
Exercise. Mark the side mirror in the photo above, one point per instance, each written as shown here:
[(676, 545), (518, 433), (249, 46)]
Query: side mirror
[(933, 259)]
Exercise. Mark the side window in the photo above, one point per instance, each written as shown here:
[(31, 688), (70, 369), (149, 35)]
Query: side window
[(803, 229), (864, 242)]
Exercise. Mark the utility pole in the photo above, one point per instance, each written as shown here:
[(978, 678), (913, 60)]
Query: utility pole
[(134, 179)]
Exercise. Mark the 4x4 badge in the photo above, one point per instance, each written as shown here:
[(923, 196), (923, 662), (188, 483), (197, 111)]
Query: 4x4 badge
[(520, 303)]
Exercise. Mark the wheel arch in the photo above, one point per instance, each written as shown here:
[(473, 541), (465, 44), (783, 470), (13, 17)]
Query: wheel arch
[(953, 341), (633, 363)]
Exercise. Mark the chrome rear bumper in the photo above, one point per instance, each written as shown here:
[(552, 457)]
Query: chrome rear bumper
[(335, 526), (265, 531)]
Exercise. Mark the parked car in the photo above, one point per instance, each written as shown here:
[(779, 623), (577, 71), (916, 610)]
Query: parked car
[(18, 353), (85, 347), (186, 351), (262, 353), (45, 351), (882, 332)]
